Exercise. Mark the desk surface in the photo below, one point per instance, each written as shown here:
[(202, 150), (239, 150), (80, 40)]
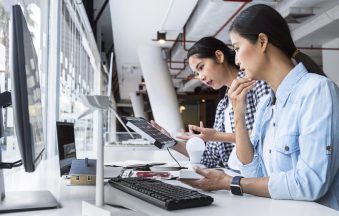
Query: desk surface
[(70, 198), (224, 204)]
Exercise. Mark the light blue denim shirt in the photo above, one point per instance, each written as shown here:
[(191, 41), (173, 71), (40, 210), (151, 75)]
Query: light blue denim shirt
[(305, 154)]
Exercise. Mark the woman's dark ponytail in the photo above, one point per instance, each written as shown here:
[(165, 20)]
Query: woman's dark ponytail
[(310, 65), (261, 18)]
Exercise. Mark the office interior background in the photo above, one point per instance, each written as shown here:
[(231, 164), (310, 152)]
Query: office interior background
[(74, 40)]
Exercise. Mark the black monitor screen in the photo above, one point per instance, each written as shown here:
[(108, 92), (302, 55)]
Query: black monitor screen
[(66, 146), (26, 94)]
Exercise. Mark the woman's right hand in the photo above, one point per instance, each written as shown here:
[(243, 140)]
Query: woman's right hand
[(237, 94)]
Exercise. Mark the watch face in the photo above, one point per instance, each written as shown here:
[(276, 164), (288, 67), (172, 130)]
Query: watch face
[(236, 190), (235, 185)]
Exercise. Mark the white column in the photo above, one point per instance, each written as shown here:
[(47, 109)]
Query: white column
[(331, 60), (53, 79), (161, 93), (138, 105)]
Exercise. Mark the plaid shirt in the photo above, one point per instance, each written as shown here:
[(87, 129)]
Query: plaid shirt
[(217, 153)]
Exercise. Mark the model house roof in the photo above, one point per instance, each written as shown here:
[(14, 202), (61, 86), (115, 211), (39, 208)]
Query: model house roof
[(80, 167)]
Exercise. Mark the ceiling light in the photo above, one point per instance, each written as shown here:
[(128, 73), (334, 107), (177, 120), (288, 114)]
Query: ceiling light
[(182, 108), (161, 37)]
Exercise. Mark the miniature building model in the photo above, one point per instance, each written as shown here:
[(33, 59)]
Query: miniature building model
[(83, 172)]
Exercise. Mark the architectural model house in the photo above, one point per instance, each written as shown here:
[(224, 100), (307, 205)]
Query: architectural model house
[(83, 172)]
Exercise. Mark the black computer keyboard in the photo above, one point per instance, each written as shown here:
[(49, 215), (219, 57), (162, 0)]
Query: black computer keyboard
[(162, 194)]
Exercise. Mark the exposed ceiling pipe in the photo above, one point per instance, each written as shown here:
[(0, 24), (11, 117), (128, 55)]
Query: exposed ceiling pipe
[(245, 2), (301, 48), (184, 38), (221, 28), (178, 40), (178, 62), (164, 22), (231, 18), (170, 62)]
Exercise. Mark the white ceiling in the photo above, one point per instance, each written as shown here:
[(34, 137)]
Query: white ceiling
[(136, 22)]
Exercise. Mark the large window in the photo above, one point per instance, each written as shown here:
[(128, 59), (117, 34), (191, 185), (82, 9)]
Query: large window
[(79, 69), (76, 75)]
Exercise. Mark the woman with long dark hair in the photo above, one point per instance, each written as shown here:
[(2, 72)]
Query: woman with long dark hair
[(293, 150), (212, 62)]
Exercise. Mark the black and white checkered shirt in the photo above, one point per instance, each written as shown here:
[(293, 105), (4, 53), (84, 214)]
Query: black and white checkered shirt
[(217, 153)]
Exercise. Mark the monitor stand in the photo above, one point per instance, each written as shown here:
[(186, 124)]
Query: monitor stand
[(24, 200), (20, 200), (27, 201)]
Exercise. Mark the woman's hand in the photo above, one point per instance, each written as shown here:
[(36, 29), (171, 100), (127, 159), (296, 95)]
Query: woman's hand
[(237, 93), (213, 180), (207, 134)]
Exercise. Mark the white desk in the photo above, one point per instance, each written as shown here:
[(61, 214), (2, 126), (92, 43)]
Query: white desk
[(224, 204), (70, 197)]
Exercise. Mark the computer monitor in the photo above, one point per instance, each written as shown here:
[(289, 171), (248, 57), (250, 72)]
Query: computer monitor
[(27, 109), (26, 93), (66, 146)]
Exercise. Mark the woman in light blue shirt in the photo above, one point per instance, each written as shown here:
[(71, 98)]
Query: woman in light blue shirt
[(293, 151)]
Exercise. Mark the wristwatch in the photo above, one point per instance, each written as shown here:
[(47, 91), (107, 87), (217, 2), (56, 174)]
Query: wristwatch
[(235, 185)]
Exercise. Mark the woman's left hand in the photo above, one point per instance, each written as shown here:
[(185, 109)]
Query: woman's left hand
[(213, 180), (206, 134), (237, 94)]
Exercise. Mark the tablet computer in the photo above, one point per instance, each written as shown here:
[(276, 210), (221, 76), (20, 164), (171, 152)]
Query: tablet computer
[(149, 132)]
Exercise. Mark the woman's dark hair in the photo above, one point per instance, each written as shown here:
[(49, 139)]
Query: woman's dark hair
[(206, 47), (261, 18)]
